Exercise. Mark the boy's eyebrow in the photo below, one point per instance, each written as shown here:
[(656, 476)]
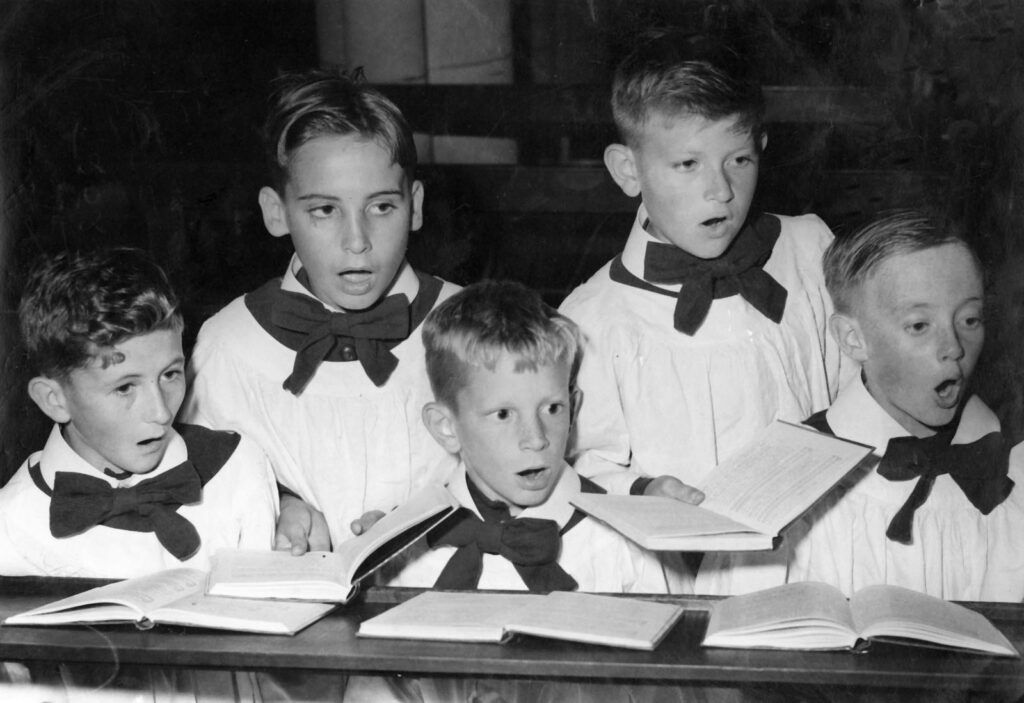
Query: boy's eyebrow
[(376, 194)]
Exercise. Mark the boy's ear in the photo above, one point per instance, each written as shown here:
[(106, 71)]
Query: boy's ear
[(273, 212), (417, 206), (575, 398), (440, 422), (621, 164), (847, 333), (48, 394), (764, 140)]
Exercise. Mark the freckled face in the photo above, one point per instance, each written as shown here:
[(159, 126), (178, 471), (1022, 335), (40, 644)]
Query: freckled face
[(512, 427), (921, 318), (120, 415), (697, 178), (349, 210)]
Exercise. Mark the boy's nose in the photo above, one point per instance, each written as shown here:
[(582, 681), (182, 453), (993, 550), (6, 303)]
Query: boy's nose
[(159, 407), (950, 346), (717, 186), (354, 239), (532, 435)]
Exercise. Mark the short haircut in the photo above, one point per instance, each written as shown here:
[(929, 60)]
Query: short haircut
[(671, 74), (317, 103), (474, 327), (851, 259), (77, 305)]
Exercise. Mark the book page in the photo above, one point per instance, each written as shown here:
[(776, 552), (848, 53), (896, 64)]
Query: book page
[(597, 619), (777, 477), (445, 615), (800, 615), (643, 518), (895, 612), (395, 530), (263, 573), (241, 614), (127, 600)]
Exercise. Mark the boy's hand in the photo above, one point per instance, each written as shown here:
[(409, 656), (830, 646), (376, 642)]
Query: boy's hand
[(672, 487), (301, 528), (366, 521)]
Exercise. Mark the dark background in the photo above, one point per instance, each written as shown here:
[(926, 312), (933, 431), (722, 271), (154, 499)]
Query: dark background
[(136, 122)]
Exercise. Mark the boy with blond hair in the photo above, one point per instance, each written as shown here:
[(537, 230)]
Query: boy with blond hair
[(712, 322)]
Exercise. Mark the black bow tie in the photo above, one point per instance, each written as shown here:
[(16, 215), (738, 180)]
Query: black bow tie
[(979, 469), (370, 332), (738, 270), (80, 502), (531, 544)]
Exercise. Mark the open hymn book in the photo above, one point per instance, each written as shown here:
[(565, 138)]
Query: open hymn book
[(749, 498), (330, 576), (172, 597), (482, 616), (810, 615)]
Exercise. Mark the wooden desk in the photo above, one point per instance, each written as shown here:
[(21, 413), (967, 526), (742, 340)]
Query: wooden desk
[(331, 644)]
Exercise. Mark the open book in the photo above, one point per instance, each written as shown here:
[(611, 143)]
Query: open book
[(749, 498), (495, 617), (329, 576), (811, 615), (172, 597)]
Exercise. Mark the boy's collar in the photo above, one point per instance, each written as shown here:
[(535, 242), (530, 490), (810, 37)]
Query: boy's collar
[(556, 507), (856, 415), (406, 283), (57, 455), (636, 248)]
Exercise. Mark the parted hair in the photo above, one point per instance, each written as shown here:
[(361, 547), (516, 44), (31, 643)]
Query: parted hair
[(315, 103), (670, 74), (76, 305), (851, 259), (485, 320)]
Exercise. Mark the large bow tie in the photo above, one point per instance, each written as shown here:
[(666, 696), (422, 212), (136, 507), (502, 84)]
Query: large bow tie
[(327, 333), (979, 469), (80, 502), (738, 270), (531, 544)]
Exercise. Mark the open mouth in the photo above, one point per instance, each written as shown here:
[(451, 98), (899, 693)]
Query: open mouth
[(948, 392), (534, 475), (713, 221)]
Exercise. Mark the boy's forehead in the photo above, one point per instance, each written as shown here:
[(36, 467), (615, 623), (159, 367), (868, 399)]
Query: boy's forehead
[(920, 277), (660, 121), (367, 160)]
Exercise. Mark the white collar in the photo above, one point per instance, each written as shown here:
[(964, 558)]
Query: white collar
[(557, 507), (857, 415), (58, 455), (406, 283), (636, 249)]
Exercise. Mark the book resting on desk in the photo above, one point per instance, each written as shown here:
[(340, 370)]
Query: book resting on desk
[(482, 616), (173, 597), (749, 498), (329, 576), (816, 616)]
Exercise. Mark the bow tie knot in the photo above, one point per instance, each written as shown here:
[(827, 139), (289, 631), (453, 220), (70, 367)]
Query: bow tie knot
[(372, 332), (737, 271), (532, 545), (80, 502), (979, 468)]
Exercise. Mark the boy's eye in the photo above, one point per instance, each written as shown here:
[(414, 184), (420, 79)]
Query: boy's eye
[(918, 327), (972, 321), (745, 160), (173, 374), (383, 208), (124, 389), (686, 164), (503, 414), (555, 408), (323, 212)]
